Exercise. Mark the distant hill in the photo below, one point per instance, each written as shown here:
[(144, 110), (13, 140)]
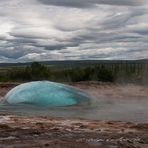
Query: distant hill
[(79, 63)]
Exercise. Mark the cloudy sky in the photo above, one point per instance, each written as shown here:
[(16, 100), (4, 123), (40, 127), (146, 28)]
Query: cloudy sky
[(41, 30)]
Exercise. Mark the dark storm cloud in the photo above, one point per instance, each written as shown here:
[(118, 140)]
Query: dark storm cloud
[(90, 3)]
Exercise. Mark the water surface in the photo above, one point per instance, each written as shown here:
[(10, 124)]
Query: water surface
[(90, 107), (98, 108)]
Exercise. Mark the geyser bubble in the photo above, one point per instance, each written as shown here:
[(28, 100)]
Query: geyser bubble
[(45, 93)]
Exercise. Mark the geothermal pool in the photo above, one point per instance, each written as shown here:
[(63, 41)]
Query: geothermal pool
[(73, 103)]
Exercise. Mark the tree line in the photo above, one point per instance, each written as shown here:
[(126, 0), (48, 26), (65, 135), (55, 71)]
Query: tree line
[(123, 73)]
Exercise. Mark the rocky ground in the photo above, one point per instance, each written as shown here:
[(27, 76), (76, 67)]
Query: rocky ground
[(18, 131)]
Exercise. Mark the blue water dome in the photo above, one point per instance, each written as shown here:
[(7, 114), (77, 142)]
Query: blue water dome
[(45, 93)]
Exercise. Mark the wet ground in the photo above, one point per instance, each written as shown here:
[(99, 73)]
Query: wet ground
[(18, 131), (47, 131)]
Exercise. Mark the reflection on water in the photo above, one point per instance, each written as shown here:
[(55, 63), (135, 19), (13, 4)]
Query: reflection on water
[(99, 108)]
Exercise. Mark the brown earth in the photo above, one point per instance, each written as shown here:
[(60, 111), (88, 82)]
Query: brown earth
[(18, 131)]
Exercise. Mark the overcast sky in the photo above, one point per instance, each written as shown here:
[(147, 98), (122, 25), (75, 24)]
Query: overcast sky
[(42, 30)]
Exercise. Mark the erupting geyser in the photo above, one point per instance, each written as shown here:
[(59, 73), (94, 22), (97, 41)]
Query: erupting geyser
[(45, 93)]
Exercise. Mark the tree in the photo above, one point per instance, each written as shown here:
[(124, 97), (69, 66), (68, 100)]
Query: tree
[(39, 71)]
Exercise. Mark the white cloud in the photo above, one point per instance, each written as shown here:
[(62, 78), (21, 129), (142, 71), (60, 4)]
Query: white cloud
[(31, 30)]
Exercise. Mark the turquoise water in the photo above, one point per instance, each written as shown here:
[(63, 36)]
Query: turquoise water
[(46, 98), (46, 94), (97, 109)]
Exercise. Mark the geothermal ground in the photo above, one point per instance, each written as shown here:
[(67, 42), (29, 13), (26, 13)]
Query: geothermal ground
[(42, 131)]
